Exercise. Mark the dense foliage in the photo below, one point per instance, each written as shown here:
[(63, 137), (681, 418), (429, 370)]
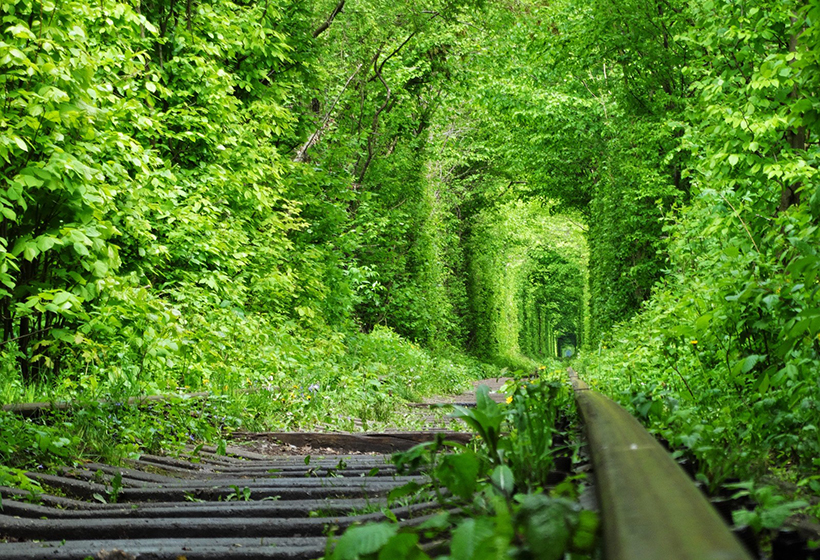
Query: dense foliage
[(723, 357), (185, 183), (238, 195)]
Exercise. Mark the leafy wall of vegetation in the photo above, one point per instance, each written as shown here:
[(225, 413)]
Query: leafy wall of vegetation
[(212, 194), (528, 274), (708, 184), (188, 181)]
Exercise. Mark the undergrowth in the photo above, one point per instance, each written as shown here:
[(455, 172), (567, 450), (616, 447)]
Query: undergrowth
[(493, 497), (743, 438), (351, 383)]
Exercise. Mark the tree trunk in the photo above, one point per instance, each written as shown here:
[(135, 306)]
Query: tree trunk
[(790, 196)]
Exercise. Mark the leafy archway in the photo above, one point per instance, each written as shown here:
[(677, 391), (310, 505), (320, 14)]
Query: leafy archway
[(551, 303)]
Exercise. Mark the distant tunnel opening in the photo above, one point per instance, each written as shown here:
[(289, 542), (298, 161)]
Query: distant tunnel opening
[(567, 345), (552, 305)]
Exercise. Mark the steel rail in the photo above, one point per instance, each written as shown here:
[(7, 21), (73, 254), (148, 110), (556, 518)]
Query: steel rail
[(650, 508)]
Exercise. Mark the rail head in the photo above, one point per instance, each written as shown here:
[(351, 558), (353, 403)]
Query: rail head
[(650, 508)]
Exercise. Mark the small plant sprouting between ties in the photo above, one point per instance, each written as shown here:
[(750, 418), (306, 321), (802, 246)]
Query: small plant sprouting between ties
[(493, 498)]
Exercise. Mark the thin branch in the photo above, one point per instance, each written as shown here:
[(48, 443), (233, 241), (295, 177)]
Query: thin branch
[(682, 378), (374, 127), (301, 154), (27, 335), (582, 227), (739, 217), (378, 71), (395, 52), (322, 28), (601, 99)]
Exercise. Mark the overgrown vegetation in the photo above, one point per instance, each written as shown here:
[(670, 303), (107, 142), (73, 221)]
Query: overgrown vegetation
[(722, 357), (209, 197), (352, 384), (229, 196), (494, 499)]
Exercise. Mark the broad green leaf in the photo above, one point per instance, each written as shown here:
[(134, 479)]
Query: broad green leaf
[(751, 361), (459, 473), (30, 251), (407, 489), (548, 524), (502, 478), (20, 143), (364, 540), (60, 298), (403, 546), (470, 539)]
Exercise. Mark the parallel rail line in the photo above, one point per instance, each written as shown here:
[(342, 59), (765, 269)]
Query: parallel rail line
[(650, 508)]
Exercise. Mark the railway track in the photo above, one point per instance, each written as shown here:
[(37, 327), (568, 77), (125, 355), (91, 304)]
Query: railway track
[(243, 505), (250, 505), (650, 507)]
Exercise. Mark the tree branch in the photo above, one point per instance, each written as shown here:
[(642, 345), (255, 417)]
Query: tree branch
[(322, 28), (374, 127), (301, 154), (378, 72)]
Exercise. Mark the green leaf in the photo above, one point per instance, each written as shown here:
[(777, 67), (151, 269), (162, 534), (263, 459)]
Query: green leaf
[(100, 269), (61, 297), (775, 517), (702, 322), (81, 249), (469, 539), (731, 251), (404, 490), (502, 478), (20, 143), (403, 546), (389, 514), (764, 384), (459, 473), (438, 522), (21, 32), (547, 525), (30, 251), (364, 540), (46, 242), (583, 539), (750, 362)]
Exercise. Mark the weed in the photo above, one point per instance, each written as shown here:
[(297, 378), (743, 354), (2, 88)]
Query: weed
[(498, 487), (239, 494)]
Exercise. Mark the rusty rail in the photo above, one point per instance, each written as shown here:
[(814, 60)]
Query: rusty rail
[(650, 508)]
